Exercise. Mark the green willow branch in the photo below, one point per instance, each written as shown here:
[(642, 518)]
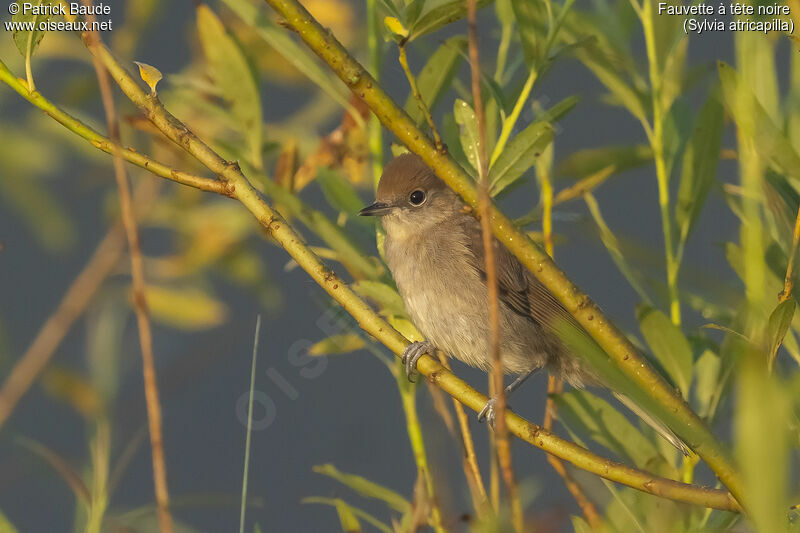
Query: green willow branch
[(661, 399), (350, 255), (372, 323)]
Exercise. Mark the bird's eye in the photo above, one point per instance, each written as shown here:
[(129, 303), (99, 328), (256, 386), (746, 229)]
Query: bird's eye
[(417, 197)]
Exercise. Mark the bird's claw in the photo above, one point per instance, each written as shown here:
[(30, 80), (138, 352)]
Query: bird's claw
[(488, 413), (411, 356)]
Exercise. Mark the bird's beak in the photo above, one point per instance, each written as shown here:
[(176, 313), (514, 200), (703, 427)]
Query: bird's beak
[(375, 210)]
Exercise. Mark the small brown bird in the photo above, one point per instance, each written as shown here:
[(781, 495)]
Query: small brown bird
[(434, 249)]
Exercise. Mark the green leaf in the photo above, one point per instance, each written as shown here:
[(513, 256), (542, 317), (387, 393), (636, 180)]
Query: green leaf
[(560, 110), (707, 372), (761, 434), (189, 308), (779, 321), (303, 60), (668, 344), (365, 487), (381, 293), (435, 78), (597, 419), (519, 155), (337, 344), (468, 131), (339, 192), (438, 13), (585, 162), (31, 36), (699, 166), (233, 77), (755, 124), (579, 525), (394, 25), (529, 25), (612, 244), (355, 511)]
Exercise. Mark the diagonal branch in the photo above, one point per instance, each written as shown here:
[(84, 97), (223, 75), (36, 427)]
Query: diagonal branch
[(659, 398), (376, 326)]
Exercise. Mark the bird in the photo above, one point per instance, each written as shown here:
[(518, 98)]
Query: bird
[(435, 252)]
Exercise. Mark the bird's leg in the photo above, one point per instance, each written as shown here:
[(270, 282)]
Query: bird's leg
[(411, 355), (487, 413)]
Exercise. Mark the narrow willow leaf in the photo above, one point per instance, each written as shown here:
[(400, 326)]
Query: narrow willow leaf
[(358, 513), (150, 74), (707, 372), (779, 321), (668, 344), (529, 16), (381, 293), (188, 309), (614, 249), (699, 166), (303, 60), (438, 13), (560, 110), (468, 131), (337, 344), (751, 117), (340, 193), (519, 155), (233, 77), (585, 162), (597, 419), (435, 78), (763, 406), (365, 487)]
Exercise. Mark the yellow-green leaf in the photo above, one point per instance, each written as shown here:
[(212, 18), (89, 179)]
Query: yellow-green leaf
[(181, 308), (395, 26), (365, 487), (337, 344), (150, 74), (233, 77), (669, 345)]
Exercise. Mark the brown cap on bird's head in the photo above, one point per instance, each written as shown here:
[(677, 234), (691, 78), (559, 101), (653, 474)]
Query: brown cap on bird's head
[(406, 179)]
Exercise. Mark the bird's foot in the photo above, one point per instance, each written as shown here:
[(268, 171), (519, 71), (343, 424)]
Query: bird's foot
[(488, 412), (411, 356)]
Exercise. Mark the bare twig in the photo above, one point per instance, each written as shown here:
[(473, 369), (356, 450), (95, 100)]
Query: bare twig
[(92, 40), (496, 380), (469, 461), (412, 81)]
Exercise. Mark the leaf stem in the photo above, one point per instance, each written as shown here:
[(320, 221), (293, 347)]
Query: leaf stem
[(412, 81)]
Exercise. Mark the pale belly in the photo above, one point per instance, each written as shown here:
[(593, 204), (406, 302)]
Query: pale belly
[(447, 301)]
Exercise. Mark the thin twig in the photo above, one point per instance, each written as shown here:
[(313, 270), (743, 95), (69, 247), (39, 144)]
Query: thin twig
[(92, 40), (555, 385), (469, 460), (496, 378), (423, 107), (373, 324)]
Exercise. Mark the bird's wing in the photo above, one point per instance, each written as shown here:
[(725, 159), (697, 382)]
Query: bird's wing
[(519, 290)]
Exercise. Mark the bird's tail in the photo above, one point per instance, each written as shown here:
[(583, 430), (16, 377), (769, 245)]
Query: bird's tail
[(660, 428)]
